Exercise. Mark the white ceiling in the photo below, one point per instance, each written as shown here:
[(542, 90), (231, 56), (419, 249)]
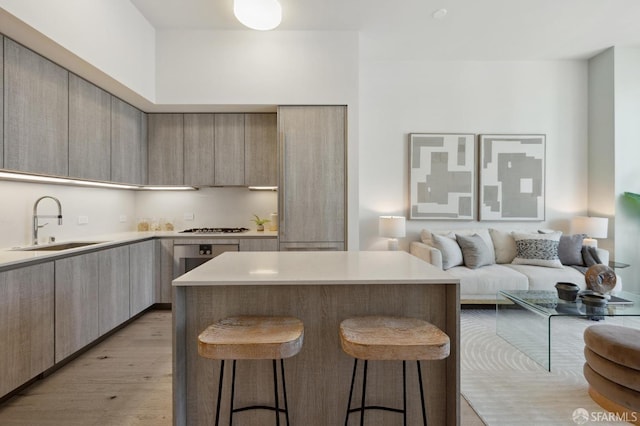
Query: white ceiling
[(405, 29)]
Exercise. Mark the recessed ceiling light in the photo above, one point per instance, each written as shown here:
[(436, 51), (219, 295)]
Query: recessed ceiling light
[(440, 14)]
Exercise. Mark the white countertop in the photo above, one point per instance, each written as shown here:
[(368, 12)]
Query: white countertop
[(9, 257), (300, 268)]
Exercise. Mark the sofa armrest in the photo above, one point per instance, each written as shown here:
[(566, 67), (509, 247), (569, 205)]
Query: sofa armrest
[(427, 253)]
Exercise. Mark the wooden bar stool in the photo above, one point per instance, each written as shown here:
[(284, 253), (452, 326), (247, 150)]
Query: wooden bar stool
[(379, 338), (252, 337)]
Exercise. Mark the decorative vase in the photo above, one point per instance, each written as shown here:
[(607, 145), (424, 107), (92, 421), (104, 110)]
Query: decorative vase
[(260, 228)]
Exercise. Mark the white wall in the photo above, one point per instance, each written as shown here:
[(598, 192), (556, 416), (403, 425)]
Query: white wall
[(469, 97), (111, 35), (627, 153), (103, 207)]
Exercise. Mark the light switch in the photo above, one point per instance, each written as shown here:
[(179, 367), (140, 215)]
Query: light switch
[(189, 216), (123, 218), (83, 220)]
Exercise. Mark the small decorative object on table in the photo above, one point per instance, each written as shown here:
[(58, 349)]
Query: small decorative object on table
[(259, 222), (595, 305), (567, 291), (600, 278)]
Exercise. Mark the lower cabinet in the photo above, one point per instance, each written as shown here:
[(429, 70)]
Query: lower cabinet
[(259, 244), (77, 306), (142, 274), (26, 324), (113, 288)]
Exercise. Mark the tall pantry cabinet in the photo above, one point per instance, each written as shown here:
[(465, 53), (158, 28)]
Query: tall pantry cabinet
[(312, 188)]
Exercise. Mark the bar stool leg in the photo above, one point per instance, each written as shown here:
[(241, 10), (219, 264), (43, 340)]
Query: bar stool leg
[(284, 391), (353, 380), (233, 391), (364, 392), (424, 410), (275, 390), (221, 375), (404, 391)]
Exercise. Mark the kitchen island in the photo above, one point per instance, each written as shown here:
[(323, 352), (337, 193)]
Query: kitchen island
[(322, 289)]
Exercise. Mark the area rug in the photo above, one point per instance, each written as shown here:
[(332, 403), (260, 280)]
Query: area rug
[(505, 387)]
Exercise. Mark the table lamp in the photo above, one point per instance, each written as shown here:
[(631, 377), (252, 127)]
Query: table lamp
[(592, 227), (392, 227)]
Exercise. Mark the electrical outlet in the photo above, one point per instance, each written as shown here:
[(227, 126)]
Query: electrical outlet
[(189, 216), (123, 218), (83, 220)]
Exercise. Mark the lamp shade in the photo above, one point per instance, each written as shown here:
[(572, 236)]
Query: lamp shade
[(391, 226), (258, 14), (594, 227)]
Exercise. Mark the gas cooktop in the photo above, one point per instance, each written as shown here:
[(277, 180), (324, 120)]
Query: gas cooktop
[(214, 230)]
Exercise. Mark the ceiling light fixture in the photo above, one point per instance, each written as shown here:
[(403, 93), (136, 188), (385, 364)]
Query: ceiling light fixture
[(440, 14), (258, 14)]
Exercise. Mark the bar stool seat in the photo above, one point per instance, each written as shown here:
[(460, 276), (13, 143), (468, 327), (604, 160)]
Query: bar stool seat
[(383, 338), (252, 338)]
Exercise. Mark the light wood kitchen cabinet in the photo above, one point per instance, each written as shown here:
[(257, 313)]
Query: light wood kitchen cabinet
[(164, 289), (26, 324), (2, 103), (258, 244), (36, 113), (89, 130), (261, 147), (199, 149), (166, 149), (312, 189), (76, 303), (128, 143), (142, 273), (113, 288), (229, 149)]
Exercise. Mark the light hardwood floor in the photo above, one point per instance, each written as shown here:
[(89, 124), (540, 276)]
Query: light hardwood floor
[(124, 380)]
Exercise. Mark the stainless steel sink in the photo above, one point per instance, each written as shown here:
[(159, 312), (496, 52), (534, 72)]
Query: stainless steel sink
[(61, 246)]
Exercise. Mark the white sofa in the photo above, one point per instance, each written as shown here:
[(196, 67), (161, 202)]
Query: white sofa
[(481, 284)]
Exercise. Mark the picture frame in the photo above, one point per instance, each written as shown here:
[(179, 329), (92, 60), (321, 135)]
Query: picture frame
[(512, 177), (442, 182)]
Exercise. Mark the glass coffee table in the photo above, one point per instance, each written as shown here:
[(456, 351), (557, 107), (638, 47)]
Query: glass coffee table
[(525, 318)]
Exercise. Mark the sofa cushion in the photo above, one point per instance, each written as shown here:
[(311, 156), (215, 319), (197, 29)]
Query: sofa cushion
[(546, 278), (569, 248), (448, 246), (475, 251), (504, 244), (537, 249), (488, 280)]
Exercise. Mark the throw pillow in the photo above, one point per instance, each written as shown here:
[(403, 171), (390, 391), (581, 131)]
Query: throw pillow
[(504, 245), (537, 249), (451, 253), (570, 249), (475, 251), (590, 256)]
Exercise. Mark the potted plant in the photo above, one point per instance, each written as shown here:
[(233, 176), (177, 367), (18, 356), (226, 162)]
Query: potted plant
[(259, 222)]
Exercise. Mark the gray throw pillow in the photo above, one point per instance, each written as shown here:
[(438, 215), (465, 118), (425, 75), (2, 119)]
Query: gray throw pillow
[(475, 251), (570, 249), (590, 256), (451, 254)]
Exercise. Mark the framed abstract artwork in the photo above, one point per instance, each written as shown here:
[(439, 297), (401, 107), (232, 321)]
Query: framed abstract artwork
[(442, 176), (512, 177)]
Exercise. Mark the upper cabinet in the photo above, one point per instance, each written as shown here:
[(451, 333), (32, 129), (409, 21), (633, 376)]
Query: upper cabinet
[(2, 103), (36, 112), (260, 150), (128, 143), (229, 149), (312, 190), (89, 130), (166, 146), (199, 149)]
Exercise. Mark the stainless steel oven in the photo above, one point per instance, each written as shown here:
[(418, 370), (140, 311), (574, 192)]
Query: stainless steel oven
[(187, 256)]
